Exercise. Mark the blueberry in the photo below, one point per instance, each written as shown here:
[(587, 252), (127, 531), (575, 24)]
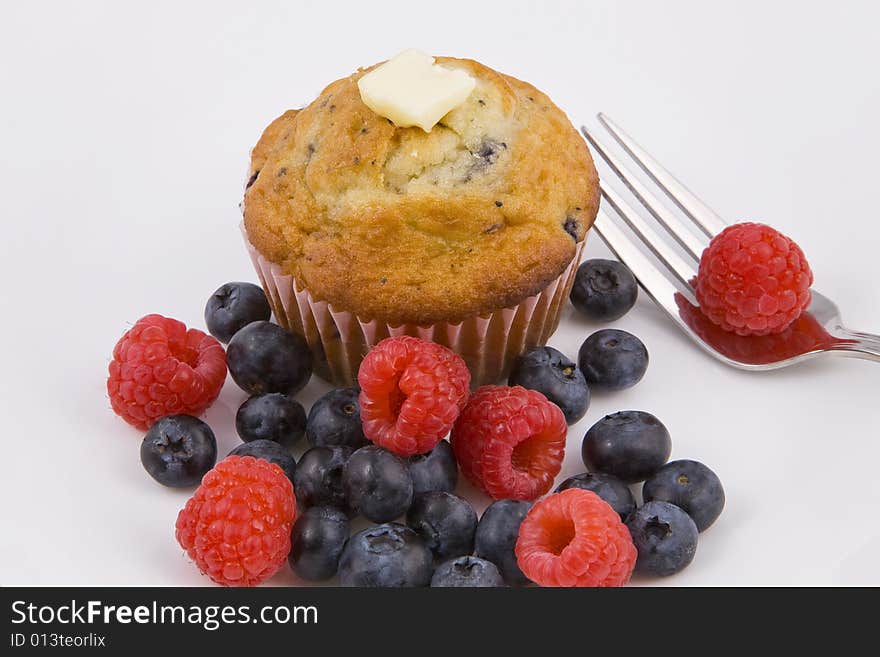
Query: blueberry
[(554, 375), (434, 470), (389, 555), (691, 486), (631, 445), (572, 227), (270, 451), (445, 521), (467, 571), (665, 537), (335, 419), (316, 542), (608, 487), (489, 150), (496, 536), (604, 290), (613, 360), (272, 416), (178, 450), (318, 478), (232, 307), (263, 357), (377, 484)]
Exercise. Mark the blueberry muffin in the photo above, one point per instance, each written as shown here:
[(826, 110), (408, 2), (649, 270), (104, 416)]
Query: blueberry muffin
[(466, 234)]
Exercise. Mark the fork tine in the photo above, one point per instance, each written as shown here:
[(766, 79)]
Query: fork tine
[(650, 277), (653, 281), (699, 212), (683, 235), (683, 271)]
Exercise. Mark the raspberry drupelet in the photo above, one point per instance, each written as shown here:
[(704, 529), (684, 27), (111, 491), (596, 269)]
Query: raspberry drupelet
[(753, 280), (574, 538), (412, 391), (161, 368), (510, 442), (236, 527)]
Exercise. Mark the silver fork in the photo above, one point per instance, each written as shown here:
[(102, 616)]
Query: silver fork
[(819, 330)]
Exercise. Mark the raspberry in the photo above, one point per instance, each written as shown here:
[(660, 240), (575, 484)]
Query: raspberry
[(753, 280), (160, 368), (412, 391), (574, 538), (236, 527), (510, 442)]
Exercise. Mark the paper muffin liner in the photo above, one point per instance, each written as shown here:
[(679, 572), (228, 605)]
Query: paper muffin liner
[(339, 339)]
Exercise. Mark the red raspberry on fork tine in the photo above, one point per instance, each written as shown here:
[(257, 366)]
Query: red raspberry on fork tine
[(412, 391), (753, 280)]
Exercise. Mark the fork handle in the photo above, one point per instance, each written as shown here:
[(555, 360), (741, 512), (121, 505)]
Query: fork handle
[(861, 345)]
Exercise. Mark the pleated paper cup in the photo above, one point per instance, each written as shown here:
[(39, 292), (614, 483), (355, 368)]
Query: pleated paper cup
[(339, 339)]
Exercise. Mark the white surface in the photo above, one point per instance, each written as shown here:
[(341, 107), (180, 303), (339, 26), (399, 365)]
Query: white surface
[(125, 132)]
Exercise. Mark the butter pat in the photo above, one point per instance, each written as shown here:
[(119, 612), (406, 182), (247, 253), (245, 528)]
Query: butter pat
[(412, 90)]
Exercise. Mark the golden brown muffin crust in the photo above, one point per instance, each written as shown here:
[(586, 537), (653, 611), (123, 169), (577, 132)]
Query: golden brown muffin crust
[(404, 226)]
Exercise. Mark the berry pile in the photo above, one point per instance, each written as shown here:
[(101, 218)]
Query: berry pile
[(291, 490), (682, 498)]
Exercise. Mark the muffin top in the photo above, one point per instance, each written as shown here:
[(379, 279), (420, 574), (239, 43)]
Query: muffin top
[(407, 226)]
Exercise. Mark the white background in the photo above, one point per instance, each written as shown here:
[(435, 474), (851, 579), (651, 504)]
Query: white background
[(125, 131)]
